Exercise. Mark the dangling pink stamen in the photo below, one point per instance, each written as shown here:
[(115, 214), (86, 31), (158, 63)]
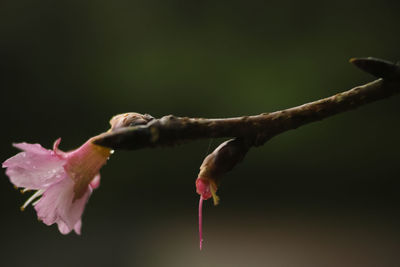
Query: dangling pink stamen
[(201, 221)]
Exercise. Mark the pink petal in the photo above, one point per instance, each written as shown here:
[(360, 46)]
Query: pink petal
[(203, 188), (32, 148), (35, 168), (57, 205), (58, 151), (77, 227), (63, 227), (95, 183)]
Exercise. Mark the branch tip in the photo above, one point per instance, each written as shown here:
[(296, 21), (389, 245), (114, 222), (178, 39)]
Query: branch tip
[(378, 67)]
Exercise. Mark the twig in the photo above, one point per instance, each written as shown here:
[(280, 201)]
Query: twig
[(171, 130)]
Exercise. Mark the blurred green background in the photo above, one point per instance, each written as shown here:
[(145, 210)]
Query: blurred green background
[(323, 195)]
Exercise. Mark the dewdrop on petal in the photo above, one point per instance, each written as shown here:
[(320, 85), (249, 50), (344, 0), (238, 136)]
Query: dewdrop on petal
[(62, 181)]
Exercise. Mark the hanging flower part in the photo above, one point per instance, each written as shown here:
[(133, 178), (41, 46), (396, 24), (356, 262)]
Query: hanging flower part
[(215, 165), (206, 188), (63, 181)]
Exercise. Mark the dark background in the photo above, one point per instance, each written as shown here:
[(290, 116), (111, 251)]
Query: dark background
[(323, 195)]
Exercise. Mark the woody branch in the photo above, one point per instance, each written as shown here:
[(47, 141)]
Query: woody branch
[(143, 131)]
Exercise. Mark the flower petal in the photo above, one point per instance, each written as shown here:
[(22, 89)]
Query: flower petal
[(63, 227), (95, 183), (32, 148), (57, 205), (35, 168), (58, 151), (77, 227)]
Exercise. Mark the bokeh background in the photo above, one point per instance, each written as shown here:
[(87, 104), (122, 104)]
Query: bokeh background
[(322, 195)]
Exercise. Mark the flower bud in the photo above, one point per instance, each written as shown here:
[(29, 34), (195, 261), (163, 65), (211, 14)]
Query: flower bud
[(223, 159), (129, 119)]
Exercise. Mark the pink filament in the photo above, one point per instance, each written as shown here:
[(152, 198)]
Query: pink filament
[(201, 221)]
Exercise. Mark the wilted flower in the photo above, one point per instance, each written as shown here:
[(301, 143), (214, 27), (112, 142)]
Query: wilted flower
[(215, 165), (63, 181)]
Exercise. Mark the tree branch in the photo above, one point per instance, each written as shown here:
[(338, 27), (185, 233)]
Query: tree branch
[(256, 130)]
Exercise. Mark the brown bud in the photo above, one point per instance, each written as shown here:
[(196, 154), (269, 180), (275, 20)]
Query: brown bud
[(223, 159), (129, 119), (378, 67)]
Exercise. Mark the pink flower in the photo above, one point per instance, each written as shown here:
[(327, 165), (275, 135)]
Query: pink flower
[(63, 180)]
